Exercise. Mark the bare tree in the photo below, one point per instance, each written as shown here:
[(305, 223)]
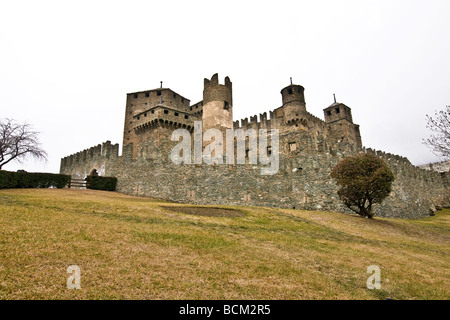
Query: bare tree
[(439, 143), (18, 141)]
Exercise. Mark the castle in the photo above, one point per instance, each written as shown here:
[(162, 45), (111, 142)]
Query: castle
[(309, 148)]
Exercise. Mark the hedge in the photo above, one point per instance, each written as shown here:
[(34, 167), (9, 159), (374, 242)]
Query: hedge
[(22, 179), (101, 183)]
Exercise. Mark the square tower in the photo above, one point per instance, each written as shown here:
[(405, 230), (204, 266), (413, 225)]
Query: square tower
[(338, 119)]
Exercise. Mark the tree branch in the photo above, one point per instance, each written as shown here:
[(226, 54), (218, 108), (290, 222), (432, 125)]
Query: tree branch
[(17, 141)]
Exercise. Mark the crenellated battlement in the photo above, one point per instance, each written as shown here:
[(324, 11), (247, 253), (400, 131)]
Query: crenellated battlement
[(303, 120), (387, 156), (163, 115), (105, 149), (96, 154), (213, 91), (401, 166)]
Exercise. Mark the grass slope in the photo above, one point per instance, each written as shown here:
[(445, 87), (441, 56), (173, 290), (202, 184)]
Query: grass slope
[(133, 248)]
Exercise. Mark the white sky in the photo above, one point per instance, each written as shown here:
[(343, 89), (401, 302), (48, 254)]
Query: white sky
[(65, 67)]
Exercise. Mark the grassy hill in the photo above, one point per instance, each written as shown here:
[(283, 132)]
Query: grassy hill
[(137, 248)]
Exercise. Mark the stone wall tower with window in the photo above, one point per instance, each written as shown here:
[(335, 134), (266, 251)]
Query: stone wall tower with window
[(339, 122), (149, 113), (294, 105), (217, 104)]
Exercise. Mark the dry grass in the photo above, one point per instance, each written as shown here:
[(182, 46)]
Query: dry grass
[(206, 211), (136, 248)]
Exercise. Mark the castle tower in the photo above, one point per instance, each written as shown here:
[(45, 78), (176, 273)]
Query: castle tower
[(147, 112), (217, 104), (293, 98), (338, 118)]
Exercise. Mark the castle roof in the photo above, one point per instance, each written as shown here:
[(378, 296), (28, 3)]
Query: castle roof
[(336, 104), (158, 89)]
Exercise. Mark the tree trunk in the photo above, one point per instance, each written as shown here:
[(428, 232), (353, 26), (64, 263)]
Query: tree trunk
[(362, 212), (369, 210)]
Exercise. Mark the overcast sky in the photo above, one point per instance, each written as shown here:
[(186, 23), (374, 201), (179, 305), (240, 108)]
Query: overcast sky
[(65, 67)]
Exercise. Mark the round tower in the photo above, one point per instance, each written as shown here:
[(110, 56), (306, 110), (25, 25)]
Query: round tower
[(293, 98), (217, 104)]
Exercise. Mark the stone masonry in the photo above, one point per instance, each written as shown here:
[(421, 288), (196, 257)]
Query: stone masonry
[(309, 149)]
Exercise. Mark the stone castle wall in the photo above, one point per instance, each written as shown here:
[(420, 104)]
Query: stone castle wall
[(302, 182), (309, 149), (443, 166), (81, 164)]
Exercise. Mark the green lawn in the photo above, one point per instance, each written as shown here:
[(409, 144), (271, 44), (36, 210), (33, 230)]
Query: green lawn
[(137, 248)]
